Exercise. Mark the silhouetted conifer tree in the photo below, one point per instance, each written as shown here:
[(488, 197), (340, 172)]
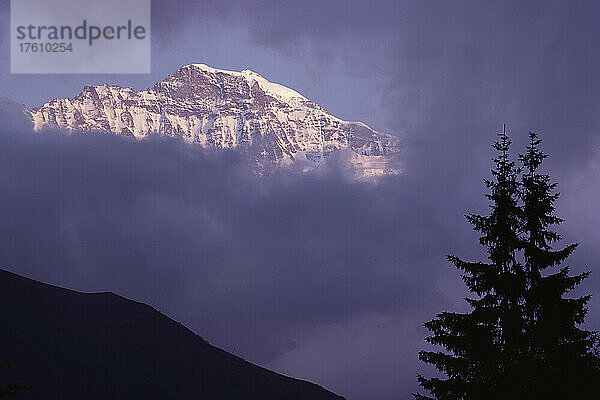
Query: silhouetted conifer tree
[(521, 331)]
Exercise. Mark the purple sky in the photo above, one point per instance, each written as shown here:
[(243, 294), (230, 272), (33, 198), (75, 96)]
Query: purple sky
[(314, 277)]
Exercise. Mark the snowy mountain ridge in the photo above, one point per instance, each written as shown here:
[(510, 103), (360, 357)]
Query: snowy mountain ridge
[(274, 89), (219, 109)]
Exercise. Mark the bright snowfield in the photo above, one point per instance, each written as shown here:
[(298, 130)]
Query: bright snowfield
[(218, 109)]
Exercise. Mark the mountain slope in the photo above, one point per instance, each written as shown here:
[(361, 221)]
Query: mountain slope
[(73, 345), (220, 109)]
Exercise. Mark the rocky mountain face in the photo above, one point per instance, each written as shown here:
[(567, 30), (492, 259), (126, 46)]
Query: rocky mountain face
[(219, 109)]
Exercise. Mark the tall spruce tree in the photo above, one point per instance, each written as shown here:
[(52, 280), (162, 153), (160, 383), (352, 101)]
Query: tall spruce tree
[(521, 332), (481, 342)]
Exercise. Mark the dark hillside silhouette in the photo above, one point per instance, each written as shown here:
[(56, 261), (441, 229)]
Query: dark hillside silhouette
[(74, 346)]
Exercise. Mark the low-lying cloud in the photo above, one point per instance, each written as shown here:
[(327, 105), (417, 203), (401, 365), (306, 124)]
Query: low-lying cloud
[(275, 270)]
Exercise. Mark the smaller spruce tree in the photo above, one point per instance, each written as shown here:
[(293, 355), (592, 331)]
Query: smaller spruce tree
[(561, 359)]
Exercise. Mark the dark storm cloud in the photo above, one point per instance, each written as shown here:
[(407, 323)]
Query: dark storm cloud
[(446, 71), (278, 22), (265, 267), (531, 66)]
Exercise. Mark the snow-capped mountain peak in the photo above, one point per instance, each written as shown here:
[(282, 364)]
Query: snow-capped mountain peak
[(217, 109), (279, 91)]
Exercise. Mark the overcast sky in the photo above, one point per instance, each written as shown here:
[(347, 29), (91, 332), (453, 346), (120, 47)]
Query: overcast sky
[(313, 276)]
